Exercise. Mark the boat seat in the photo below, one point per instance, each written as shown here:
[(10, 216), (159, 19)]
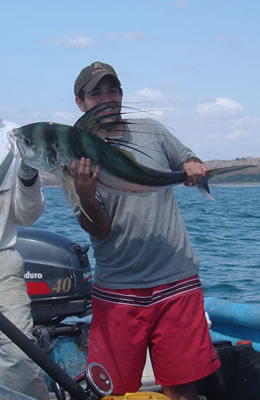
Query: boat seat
[(148, 380)]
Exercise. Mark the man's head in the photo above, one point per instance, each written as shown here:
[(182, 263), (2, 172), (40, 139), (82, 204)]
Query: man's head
[(98, 84), (91, 75)]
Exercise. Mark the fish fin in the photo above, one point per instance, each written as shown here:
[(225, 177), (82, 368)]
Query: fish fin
[(95, 123), (68, 180), (125, 143), (132, 157), (129, 155), (204, 189)]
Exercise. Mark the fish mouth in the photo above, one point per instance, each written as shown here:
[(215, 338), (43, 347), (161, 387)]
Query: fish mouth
[(14, 140), (21, 148), (12, 135)]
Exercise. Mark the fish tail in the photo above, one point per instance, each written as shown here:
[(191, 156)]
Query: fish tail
[(203, 185)]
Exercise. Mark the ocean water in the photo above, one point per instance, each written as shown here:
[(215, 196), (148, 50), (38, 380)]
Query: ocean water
[(225, 235)]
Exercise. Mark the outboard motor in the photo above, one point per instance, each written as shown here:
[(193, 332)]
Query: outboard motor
[(58, 276), (57, 273)]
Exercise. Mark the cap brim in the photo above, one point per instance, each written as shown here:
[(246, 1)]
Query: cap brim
[(93, 83)]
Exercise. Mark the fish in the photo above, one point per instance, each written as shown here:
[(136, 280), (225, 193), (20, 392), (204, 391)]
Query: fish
[(50, 147)]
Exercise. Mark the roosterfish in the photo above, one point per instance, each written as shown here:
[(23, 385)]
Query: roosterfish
[(50, 147)]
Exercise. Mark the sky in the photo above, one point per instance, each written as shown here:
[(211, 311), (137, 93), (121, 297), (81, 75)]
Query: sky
[(194, 65)]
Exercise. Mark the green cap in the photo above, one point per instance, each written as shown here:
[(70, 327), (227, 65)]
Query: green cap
[(89, 76)]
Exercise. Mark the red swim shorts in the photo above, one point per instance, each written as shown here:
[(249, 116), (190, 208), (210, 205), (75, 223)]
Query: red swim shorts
[(168, 319)]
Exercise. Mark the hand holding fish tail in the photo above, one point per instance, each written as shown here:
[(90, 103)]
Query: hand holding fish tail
[(195, 170), (86, 185)]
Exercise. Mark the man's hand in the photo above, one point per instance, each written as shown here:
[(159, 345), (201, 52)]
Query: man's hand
[(195, 170), (85, 181), (27, 174), (86, 186)]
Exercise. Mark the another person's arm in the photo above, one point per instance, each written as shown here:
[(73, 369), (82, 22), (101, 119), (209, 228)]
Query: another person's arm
[(28, 202)]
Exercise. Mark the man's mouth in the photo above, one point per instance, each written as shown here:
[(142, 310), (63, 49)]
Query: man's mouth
[(109, 107), (108, 110)]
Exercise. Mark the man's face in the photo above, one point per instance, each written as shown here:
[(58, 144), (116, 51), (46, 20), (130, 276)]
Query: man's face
[(105, 91)]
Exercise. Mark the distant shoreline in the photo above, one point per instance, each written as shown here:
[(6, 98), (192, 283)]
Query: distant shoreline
[(248, 184), (236, 184)]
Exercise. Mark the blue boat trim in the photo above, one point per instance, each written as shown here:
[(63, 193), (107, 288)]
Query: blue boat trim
[(233, 321)]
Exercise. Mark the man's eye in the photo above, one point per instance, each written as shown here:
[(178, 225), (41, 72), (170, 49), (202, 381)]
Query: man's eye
[(94, 94), (114, 91)]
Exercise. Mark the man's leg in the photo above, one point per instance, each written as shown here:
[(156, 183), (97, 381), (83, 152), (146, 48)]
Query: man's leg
[(180, 346), (17, 370)]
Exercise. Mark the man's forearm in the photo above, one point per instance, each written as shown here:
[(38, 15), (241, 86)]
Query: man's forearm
[(100, 227), (195, 159)]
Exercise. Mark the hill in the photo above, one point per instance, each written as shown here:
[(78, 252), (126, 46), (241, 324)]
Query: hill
[(247, 176)]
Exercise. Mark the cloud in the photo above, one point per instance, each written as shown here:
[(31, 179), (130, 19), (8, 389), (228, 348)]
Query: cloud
[(64, 117), (151, 103), (27, 115), (236, 134), (222, 107), (227, 40), (181, 3), (183, 67), (219, 129), (250, 123), (151, 94), (82, 41), (134, 35), (79, 41)]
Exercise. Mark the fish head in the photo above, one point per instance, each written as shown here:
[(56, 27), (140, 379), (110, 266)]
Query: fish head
[(37, 145)]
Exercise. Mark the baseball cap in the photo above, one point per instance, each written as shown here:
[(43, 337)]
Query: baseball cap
[(89, 76)]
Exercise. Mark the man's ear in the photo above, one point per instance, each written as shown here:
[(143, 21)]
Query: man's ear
[(80, 103)]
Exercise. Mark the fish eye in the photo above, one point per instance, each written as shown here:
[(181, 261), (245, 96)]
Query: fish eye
[(27, 141)]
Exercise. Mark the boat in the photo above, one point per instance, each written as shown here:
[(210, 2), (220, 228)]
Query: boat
[(234, 322), (59, 280)]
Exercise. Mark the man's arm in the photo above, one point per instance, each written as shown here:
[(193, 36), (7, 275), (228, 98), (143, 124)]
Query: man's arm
[(28, 203), (86, 186)]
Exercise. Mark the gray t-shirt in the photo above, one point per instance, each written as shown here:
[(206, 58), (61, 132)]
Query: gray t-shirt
[(148, 244)]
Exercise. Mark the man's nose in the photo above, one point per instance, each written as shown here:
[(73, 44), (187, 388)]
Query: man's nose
[(106, 96)]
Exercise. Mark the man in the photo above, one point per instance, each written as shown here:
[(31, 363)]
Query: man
[(21, 203), (147, 293)]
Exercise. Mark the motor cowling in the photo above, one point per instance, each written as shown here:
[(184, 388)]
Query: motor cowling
[(57, 273)]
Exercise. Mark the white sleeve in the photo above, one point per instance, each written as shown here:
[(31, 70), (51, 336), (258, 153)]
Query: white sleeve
[(28, 203)]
